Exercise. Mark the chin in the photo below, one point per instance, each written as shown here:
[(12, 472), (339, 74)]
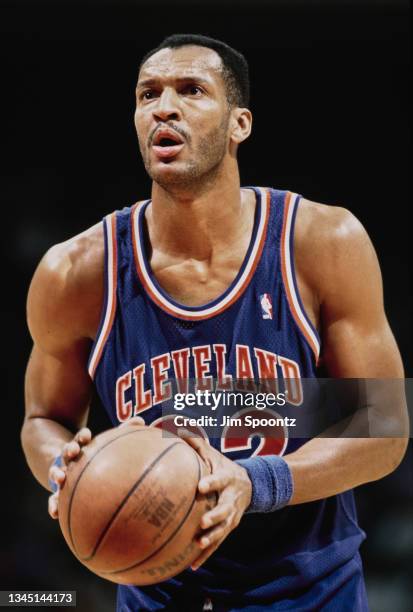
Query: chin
[(169, 175)]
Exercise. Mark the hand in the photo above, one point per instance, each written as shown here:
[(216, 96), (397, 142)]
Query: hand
[(232, 483), (69, 452)]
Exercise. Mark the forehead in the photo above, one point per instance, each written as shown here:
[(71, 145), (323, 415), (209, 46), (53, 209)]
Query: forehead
[(183, 62)]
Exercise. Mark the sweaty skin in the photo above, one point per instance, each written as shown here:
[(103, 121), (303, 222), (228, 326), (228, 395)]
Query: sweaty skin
[(199, 226)]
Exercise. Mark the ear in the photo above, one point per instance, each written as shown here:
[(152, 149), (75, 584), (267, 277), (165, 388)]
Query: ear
[(241, 124)]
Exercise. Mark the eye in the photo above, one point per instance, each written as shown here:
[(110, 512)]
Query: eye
[(193, 90), (147, 94)]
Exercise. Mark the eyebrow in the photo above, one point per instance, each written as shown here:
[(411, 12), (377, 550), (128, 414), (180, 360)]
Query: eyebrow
[(154, 81)]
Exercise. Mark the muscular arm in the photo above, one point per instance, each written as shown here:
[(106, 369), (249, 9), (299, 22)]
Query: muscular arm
[(357, 343), (63, 311), (340, 283)]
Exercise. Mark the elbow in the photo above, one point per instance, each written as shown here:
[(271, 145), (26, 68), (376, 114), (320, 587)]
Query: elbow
[(398, 445), (27, 434), (395, 450), (393, 442), (24, 436)]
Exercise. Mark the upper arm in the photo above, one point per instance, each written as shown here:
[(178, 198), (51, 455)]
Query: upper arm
[(357, 341), (62, 310)]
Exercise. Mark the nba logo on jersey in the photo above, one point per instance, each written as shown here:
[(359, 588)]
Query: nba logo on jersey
[(266, 306)]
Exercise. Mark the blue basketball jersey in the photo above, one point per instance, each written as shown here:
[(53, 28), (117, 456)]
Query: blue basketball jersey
[(300, 557)]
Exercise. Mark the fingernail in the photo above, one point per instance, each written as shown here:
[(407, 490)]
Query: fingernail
[(204, 485), (183, 432)]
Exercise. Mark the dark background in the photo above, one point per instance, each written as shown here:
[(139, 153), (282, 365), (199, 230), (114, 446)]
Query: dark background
[(329, 98)]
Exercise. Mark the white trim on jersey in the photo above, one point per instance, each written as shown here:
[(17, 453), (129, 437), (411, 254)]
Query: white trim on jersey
[(221, 304), (291, 288), (111, 268)]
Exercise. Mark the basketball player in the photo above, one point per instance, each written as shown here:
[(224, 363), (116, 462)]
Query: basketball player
[(210, 279)]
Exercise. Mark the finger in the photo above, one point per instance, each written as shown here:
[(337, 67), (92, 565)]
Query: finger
[(137, 420), (214, 482), (83, 436), (219, 514), (215, 535), (197, 443), (57, 475), (192, 438), (53, 505), (70, 451), (204, 556)]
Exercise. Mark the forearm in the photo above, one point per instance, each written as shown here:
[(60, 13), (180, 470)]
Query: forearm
[(42, 440), (326, 466)]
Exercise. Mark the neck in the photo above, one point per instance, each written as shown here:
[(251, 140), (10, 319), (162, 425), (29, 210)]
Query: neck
[(198, 223)]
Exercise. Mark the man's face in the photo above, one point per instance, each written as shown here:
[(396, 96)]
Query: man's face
[(182, 115)]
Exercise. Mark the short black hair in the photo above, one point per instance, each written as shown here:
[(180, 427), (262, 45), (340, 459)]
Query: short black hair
[(235, 67)]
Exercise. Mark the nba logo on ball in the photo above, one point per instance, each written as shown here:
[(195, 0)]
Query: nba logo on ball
[(266, 306)]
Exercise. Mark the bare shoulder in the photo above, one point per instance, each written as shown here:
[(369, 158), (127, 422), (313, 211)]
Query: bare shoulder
[(66, 291), (330, 244), (327, 225)]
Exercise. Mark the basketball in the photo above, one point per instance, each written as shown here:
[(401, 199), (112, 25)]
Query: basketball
[(130, 509)]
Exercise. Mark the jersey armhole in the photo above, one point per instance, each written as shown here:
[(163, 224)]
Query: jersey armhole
[(110, 286), (289, 277)]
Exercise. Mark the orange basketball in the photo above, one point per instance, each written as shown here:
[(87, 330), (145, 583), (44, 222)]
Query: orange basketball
[(130, 509)]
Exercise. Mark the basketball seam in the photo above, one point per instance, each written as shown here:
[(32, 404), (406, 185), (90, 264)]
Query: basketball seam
[(69, 512), (126, 569), (124, 501)]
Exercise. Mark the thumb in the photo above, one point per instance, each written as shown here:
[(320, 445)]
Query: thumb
[(137, 420)]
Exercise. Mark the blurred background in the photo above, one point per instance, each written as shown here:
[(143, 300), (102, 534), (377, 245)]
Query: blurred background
[(329, 98)]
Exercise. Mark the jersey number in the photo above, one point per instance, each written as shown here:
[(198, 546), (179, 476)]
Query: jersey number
[(239, 432)]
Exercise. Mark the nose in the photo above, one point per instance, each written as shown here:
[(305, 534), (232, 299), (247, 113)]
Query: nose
[(167, 106)]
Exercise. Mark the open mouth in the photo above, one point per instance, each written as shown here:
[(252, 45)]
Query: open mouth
[(167, 144)]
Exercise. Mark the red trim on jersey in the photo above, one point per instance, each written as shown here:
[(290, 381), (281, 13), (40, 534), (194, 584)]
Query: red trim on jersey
[(106, 331), (194, 317), (293, 310)]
